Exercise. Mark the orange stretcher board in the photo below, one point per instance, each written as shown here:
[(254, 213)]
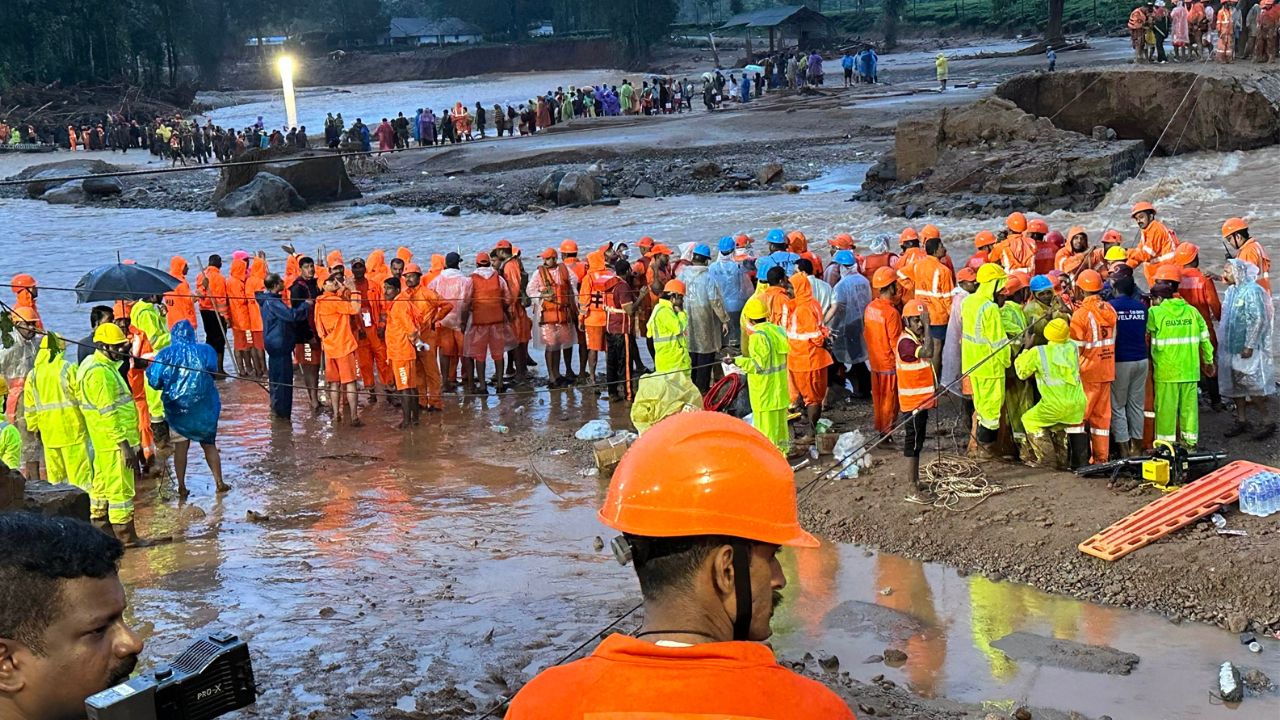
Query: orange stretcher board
[(1171, 512)]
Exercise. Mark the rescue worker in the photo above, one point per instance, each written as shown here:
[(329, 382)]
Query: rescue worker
[(731, 276), (145, 317), (703, 502), (112, 421), (1180, 351), (1056, 369), (799, 244), (1044, 305), (1128, 390), (334, 309), (25, 292), (1077, 256), (878, 256), (211, 290), (621, 352), (853, 294), (279, 322), (913, 356), (371, 352), (1093, 327), (881, 328), (1113, 239), (985, 353), (966, 285), (983, 244), (1043, 250), (1018, 250), (180, 302), (307, 353), (1200, 293), (10, 445), (181, 375), (1248, 375), (508, 264), (808, 359), (431, 311), (455, 286), (238, 304), (569, 258), (16, 362), (767, 379), (935, 285), (554, 289), (669, 330), (403, 323), (779, 256), (905, 264), (256, 283), (51, 398), (1242, 246), (592, 317), (1158, 242), (488, 326), (1019, 393), (708, 319)]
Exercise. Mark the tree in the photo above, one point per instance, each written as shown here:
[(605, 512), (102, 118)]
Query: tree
[(638, 24), (1053, 29), (892, 13)]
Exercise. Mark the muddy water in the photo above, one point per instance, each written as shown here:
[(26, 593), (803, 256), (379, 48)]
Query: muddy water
[(378, 100), (854, 604)]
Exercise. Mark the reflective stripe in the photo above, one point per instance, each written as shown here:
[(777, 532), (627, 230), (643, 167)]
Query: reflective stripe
[(804, 336), (1045, 377), (920, 365), (1163, 258), (915, 391), (1148, 413), (773, 369), (1075, 430), (126, 505), (1161, 342), (1104, 432), (1167, 438), (666, 338), (1099, 343)]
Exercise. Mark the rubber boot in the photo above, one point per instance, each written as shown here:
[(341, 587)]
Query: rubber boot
[(128, 534), (1027, 451), (1077, 450), (104, 525)]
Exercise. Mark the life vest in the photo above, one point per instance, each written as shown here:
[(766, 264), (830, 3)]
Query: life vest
[(916, 382), (486, 299), (557, 309), (871, 263)]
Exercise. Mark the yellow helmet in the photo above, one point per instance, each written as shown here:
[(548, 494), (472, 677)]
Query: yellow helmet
[(755, 309), (109, 334), (1115, 253), (989, 272), (1057, 331)]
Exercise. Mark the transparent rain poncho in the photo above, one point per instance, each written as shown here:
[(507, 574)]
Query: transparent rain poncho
[(182, 374), (1248, 317)]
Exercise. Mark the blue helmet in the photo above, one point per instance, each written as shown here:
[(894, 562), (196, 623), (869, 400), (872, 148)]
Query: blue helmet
[(1040, 282), (726, 245), (776, 237), (702, 250), (845, 257)]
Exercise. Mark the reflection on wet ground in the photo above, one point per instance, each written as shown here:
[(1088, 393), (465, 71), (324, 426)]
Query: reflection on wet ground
[(855, 604)]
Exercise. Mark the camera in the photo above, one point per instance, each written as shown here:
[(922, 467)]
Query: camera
[(211, 678)]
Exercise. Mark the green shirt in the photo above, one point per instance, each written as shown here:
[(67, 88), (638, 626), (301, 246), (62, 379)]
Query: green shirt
[(1179, 341)]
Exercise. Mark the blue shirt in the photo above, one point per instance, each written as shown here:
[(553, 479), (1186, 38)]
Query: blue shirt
[(846, 62), (1131, 328), (786, 260)]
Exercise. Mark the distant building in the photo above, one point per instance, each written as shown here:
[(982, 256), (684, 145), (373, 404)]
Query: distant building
[(428, 31), (544, 29), (797, 21), (271, 41)]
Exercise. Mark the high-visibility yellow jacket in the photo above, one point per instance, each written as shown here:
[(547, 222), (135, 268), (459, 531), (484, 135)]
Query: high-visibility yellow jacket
[(51, 398), (109, 412), (146, 318), (766, 368), (669, 329), (1056, 368), (1179, 341), (10, 445), (983, 332)]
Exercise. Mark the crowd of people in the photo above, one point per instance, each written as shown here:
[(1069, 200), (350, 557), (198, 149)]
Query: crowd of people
[(1058, 356), (1204, 28)]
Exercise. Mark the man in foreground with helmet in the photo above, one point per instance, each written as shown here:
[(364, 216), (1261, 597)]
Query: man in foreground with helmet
[(112, 421), (704, 503), (1158, 241)]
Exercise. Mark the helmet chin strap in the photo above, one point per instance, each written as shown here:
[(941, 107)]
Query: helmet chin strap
[(742, 589)]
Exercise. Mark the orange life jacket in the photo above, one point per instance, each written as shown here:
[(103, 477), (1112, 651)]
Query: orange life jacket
[(486, 299), (916, 383), (557, 309)]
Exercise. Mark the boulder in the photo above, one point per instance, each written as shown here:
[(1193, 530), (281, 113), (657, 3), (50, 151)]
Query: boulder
[(644, 190), (63, 500), (12, 489), (578, 189), (47, 175), (550, 184), (315, 175), (266, 194), (705, 170), (102, 186), (452, 211), (68, 193), (768, 173)]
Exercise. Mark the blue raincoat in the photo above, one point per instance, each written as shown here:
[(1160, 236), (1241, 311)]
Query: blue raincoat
[(181, 372)]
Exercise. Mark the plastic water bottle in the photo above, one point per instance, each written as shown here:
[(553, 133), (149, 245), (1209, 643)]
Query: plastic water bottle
[(1260, 494)]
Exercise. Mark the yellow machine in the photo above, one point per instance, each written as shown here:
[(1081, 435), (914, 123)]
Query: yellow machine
[(1157, 470)]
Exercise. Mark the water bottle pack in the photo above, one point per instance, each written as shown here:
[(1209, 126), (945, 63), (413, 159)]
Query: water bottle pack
[(1260, 494)]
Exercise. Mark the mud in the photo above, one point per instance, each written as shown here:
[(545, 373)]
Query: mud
[(1068, 654)]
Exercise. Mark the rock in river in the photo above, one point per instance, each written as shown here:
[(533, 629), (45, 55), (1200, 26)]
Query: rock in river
[(266, 194), (68, 193), (578, 189)]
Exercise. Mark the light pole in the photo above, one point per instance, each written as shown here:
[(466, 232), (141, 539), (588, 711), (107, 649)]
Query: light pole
[(285, 63)]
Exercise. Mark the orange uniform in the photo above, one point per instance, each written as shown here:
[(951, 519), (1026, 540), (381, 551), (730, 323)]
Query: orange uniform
[(1156, 247), (403, 323), (212, 289), (1017, 252), (591, 306), (1252, 252), (377, 270), (179, 303), (371, 353), (333, 315), (629, 679), (256, 283), (1201, 294), (1093, 327), (867, 265), (881, 328), (1071, 262), (238, 303), (906, 267), (807, 359), (935, 284), (430, 309), (521, 324), (22, 285)]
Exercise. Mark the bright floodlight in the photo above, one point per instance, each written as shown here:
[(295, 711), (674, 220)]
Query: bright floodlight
[(285, 63)]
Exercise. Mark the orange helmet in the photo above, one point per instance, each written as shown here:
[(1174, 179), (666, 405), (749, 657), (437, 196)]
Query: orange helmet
[(22, 281), (705, 473), (548, 253), (674, 286), (1038, 226), (569, 247), (1015, 282), (25, 313), (966, 274), (646, 242), (660, 249), (907, 236), (1185, 253), (914, 308), (883, 278), (1169, 271), (986, 238), (1017, 222), (1112, 236), (1089, 281), (1229, 228), (1142, 207), (930, 232), (742, 241), (843, 241)]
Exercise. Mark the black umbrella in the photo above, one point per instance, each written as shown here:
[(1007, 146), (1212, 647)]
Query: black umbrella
[(123, 281)]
